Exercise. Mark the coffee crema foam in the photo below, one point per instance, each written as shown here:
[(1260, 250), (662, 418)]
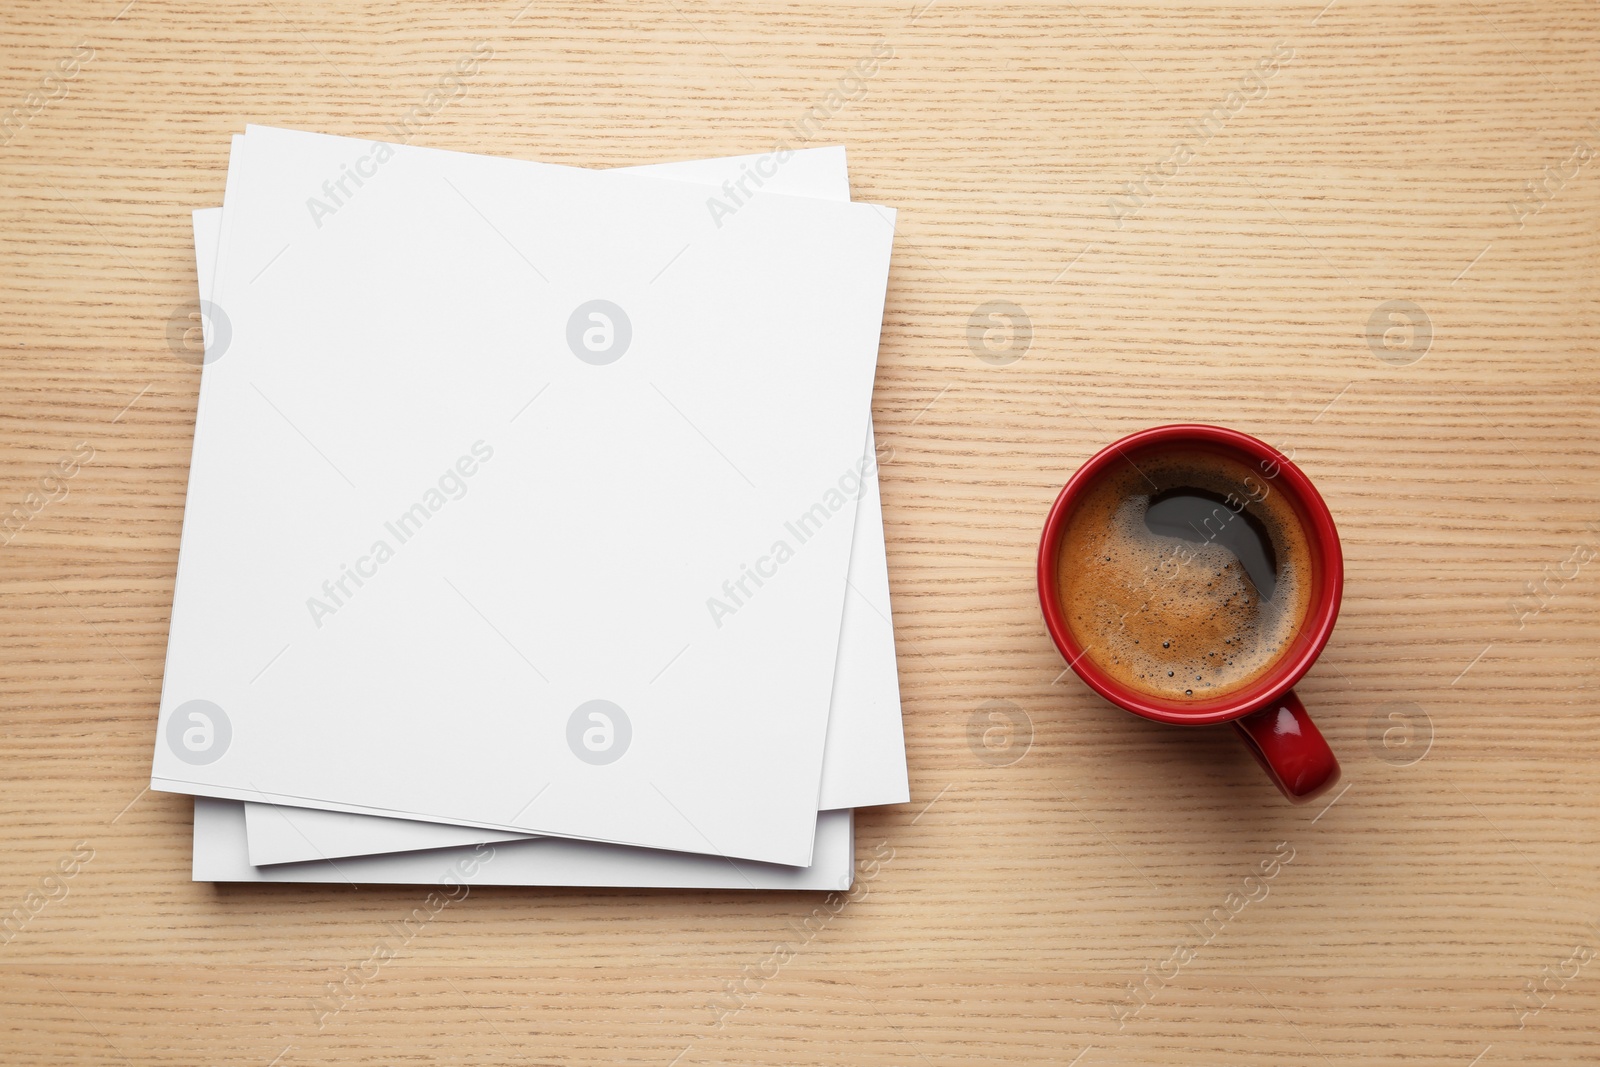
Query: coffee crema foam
[(1170, 617)]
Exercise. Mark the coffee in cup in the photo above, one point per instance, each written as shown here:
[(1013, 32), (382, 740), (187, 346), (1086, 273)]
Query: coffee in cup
[(1183, 574)]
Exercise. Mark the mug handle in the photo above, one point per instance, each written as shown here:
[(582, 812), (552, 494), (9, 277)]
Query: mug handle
[(1290, 748)]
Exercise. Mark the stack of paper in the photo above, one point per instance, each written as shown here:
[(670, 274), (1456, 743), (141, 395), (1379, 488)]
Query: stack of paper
[(533, 531)]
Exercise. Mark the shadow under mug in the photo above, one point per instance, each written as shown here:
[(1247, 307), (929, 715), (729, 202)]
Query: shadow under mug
[(1266, 713)]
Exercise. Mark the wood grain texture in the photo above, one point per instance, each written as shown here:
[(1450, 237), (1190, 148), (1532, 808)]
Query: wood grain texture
[(1012, 905)]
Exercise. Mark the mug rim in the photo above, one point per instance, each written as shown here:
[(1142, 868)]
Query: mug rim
[(1321, 613)]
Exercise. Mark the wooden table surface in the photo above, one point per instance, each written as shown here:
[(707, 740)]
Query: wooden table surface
[(1366, 232)]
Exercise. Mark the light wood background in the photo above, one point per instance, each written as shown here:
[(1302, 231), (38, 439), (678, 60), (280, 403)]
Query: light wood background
[(1020, 899)]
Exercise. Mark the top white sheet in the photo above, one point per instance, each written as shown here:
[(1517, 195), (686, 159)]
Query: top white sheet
[(535, 526)]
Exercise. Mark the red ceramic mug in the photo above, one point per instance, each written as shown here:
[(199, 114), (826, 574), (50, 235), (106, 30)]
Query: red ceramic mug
[(1266, 713)]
